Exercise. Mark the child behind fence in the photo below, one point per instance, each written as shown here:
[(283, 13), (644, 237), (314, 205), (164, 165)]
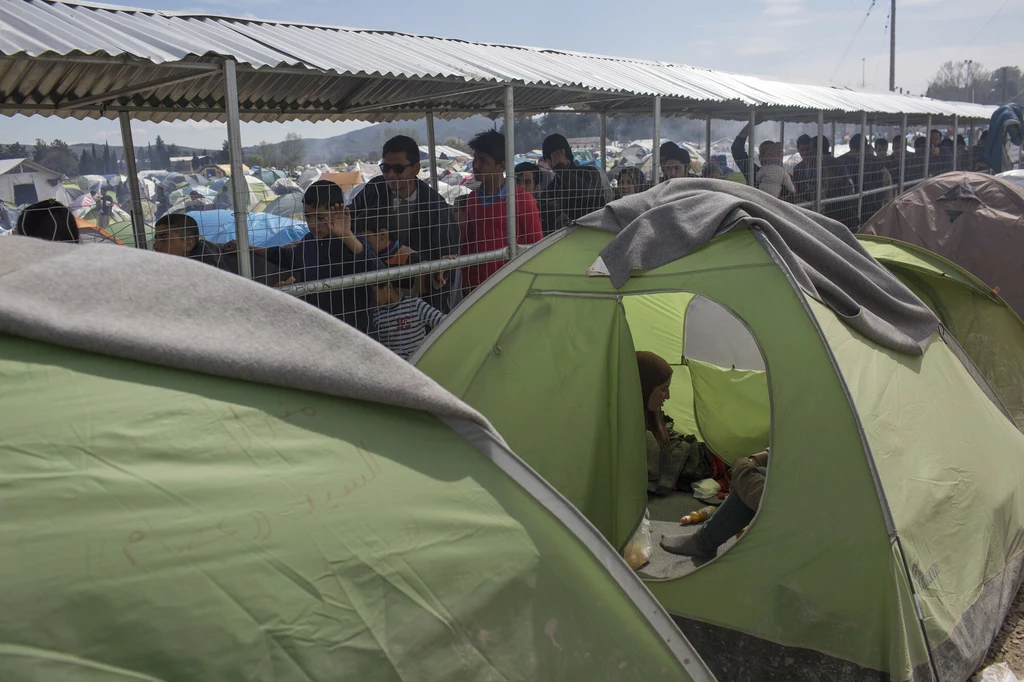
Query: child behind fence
[(402, 321)]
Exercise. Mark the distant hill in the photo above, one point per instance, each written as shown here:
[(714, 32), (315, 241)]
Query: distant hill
[(366, 143)]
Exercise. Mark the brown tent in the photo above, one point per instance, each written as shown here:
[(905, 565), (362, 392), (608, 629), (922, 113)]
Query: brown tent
[(974, 220)]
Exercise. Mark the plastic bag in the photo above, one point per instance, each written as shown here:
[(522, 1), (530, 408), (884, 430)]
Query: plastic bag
[(638, 549), (1000, 672)]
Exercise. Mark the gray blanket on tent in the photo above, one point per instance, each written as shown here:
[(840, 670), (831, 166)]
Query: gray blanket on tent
[(672, 219)]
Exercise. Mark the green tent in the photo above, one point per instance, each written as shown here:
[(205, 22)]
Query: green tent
[(198, 494), (890, 535), (982, 323)]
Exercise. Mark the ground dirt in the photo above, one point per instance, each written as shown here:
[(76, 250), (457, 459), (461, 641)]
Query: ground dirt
[(1008, 646)]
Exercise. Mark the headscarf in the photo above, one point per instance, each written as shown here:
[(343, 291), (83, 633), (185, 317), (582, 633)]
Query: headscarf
[(654, 371)]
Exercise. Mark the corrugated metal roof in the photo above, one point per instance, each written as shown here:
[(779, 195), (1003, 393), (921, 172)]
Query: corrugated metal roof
[(300, 71)]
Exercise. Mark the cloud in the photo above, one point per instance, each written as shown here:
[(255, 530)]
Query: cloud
[(782, 7)]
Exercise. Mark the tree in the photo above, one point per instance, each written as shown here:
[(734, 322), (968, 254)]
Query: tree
[(151, 164), (60, 158), (971, 82), (292, 151), (1008, 84), (172, 151), (106, 158), (17, 151), (458, 142), (265, 155), (83, 163), (162, 161), (39, 150), (224, 155)]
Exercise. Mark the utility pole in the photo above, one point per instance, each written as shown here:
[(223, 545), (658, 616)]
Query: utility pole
[(892, 47), (862, 71)]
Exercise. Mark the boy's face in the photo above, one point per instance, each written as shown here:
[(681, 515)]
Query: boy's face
[(385, 294), (525, 181), (172, 241), (319, 220)]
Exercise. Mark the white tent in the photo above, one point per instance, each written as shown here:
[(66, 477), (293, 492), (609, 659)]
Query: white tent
[(23, 181)]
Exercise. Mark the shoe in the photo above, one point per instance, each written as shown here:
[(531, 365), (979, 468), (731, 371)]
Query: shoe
[(688, 545)]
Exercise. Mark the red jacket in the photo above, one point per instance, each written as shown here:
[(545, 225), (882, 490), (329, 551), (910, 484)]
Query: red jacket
[(486, 230)]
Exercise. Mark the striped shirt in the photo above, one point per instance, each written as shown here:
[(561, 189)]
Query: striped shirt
[(402, 326)]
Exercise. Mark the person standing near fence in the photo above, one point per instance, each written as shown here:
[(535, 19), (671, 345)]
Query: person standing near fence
[(575, 191), (874, 179), (417, 215), (486, 217)]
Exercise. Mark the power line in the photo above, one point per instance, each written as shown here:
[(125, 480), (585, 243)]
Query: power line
[(990, 19), (854, 38)]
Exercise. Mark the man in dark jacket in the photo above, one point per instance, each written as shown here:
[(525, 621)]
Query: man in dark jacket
[(575, 191), (416, 214), (177, 234)]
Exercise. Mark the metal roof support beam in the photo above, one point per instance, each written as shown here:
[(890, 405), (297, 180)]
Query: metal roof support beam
[(239, 187), (656, 138), (860, 164), (603, 119), (133, 90), (707, 143), (510, 174), (138, 226), (431, 149), (818, 158), (903, 152), (927, 146), (376, 108), (112, 61)]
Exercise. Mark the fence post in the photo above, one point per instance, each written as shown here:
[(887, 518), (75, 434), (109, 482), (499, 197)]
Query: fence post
[(834, 141), (927, 146), (751, 145), (782, 138), (956, 132), (239, 187), (656, 152), (432, 149), (971, 142), (138, 221), (818, 158), (903, 152), (604, 143), (860, 166), (510, 172), (707, 141)]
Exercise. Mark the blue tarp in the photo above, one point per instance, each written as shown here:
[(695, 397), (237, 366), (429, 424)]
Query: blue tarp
[(265, 229)]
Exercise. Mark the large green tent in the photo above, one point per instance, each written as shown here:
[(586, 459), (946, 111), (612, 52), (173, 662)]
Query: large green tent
[(981, 322), (192, 493), (889, 540)]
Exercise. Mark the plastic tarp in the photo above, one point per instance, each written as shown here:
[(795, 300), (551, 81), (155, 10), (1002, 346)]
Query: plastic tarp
[(179, 526), (265, 229)]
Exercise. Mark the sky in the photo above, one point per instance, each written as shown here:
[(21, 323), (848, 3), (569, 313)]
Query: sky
[(823, 42)]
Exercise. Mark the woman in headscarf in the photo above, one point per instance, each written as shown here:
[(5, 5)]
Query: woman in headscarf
[(630, 181)]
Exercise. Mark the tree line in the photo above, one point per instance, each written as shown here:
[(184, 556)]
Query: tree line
[(969, 81)]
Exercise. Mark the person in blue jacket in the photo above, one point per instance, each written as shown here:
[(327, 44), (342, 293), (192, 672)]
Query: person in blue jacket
[(331, 249)]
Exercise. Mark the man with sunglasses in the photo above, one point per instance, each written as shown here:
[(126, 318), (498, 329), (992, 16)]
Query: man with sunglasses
[(416, 214)]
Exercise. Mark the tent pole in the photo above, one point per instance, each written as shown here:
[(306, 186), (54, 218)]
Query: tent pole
[(860, 166), (239, 187), (927, 146), (138, 224), (956, 132), (751, 145), (656, 139), (903, 152), (432, 149), (707, 141), (604, 142), (817, 157), (510, 174)]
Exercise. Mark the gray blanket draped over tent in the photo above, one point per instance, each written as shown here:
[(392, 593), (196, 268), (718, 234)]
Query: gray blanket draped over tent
[(672, 219)]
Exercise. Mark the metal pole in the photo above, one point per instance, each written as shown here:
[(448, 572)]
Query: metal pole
[(832, 152), (707, 141), (892, 47), (751, 145), (782, 135), (956, 131), (239, 187), (970, 148), (860, 166), (138, 224), (927, 146), (510, 172), (817, 156), (903, 152), (604, 142), (656, 152), (432, 149)]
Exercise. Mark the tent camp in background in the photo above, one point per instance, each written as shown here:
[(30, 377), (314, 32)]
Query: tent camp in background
[(23, 181), (895, 478), (223, 520), (974, 220)]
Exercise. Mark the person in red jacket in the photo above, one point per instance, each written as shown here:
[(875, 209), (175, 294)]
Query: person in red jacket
[(486, 224)]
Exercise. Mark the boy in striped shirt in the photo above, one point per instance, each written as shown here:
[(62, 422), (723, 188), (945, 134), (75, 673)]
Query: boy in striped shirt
[(402, 321)]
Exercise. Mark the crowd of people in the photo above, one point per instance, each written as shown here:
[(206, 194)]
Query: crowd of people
[(398, 219)]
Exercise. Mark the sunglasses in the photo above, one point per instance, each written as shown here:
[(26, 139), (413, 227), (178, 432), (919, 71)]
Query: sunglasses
[(399, 168)]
